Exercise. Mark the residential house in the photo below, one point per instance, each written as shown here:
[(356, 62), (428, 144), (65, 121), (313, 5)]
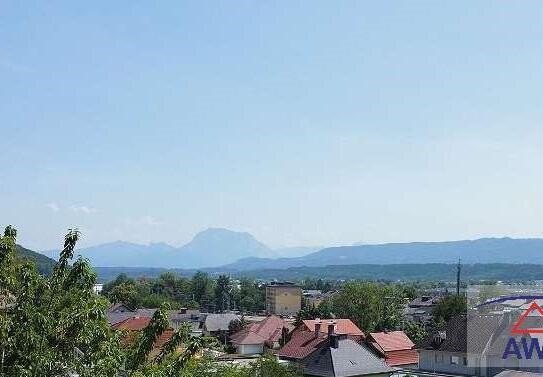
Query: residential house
[(182, 316), (332, 355), (283, 298), (217, 324), (475, 344), (134, 325), (301, 345), (395, 347), (307, 337), (120, 312), (493, 362), (258, 336), (420, 309), (446, 351)]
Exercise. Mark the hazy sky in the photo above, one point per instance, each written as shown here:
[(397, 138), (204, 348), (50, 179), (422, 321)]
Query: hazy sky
[(302, 122)]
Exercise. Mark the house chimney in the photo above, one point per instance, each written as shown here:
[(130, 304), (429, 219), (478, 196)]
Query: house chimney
[(331, 328), (317, 327), (333, 338), (334, 341)]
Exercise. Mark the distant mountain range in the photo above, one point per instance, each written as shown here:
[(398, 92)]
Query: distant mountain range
[(210, 248), (484, 250), (238, 251)]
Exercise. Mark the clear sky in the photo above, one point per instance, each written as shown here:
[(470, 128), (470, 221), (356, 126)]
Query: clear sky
[(302, 122)]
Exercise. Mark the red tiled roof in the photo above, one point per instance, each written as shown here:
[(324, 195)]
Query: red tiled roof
[(268, 330), (133, 323), (136, 324), (396, 347), (343, 326), (403, 357), (302, 344), (249, 338), (391, 341)]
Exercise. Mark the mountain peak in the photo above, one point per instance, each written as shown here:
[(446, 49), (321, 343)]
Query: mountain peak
[(221, 233), (217, 246)]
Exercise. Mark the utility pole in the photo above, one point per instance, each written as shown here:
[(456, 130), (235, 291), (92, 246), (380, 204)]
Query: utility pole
[(458, 269)]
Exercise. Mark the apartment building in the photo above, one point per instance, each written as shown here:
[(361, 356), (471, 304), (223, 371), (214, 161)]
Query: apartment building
[(283, 298)]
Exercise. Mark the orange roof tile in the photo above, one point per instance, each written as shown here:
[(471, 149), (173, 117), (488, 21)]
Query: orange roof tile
[(268, 330), (403, 357), (343, 326), (302, 344), (133, 323), (392, 341)]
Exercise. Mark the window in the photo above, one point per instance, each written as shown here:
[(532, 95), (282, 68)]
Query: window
[(465, 360), (436, 358), (455, 360)]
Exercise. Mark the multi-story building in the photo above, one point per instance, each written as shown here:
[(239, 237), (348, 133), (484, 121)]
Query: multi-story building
[(283, 298)]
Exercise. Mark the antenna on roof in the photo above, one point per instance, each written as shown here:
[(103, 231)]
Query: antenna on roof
[(458, 269)]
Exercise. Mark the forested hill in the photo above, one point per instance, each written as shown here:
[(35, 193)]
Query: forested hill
[(385, 272), (43, 263)]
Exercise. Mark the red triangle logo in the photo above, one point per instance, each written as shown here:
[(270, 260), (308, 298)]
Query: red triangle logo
[(516, 327)]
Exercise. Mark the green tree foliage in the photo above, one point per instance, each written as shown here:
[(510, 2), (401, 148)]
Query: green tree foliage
[(202, 289), (266, 366), (223, 293), (150, 293), (448, 307), (126, 293), (199, 292), (319, 284), (371, 306), (250, 297), (312, 312), (53, 324), (416, 332), (174, 287)]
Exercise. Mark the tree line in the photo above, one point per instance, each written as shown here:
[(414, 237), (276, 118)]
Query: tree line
[(201, 291)]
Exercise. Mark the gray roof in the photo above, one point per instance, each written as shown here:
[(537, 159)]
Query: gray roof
[(517, 373), (348, 359), (423, 301), (174, 316), (219, 322), (117, 316), (285, 284), (463, 335), (184, 316)]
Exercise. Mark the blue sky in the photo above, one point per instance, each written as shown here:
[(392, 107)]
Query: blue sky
[(304, 123)]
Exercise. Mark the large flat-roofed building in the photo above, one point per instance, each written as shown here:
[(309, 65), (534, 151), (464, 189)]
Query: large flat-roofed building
[(283, 298)]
